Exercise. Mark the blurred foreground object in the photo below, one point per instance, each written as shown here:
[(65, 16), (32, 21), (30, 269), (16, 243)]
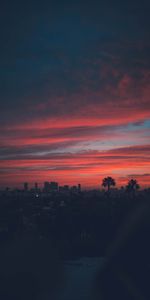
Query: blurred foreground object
[(29, 269), (125, 274)]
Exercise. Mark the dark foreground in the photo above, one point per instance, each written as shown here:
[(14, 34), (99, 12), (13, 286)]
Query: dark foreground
[(52, 247)]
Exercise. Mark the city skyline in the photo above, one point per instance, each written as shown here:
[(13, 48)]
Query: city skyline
[(75, 92), (53, 185)]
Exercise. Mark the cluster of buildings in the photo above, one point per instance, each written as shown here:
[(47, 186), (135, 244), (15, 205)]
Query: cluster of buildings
[(52, 187)]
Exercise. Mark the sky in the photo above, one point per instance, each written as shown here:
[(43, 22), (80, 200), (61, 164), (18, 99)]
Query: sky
[(74, 92)]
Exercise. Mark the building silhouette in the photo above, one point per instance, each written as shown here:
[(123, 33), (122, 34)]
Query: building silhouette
[(36, 186), (26, 186)]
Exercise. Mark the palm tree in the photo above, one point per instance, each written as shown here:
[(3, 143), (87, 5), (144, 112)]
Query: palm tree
[(108, 182), (133, 185)]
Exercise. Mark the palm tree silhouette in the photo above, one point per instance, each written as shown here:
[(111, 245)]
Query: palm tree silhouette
[(133, 185), (108, 182)]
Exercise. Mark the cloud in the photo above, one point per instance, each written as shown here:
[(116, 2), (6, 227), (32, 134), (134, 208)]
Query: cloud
[(74, 90), (87, 167)]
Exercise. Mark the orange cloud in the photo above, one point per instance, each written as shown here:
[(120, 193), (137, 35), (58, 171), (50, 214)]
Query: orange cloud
[(88, 167)]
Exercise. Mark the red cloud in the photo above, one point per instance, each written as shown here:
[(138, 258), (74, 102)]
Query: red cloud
[(37, 144), (88, 167)]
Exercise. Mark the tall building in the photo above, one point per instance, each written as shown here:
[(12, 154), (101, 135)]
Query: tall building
[(36, 186), (26, 187), (79, 187), (46, 186)]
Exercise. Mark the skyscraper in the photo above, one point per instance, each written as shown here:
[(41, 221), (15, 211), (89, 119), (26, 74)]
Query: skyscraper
[(79, 187), (46, 186), (26, 186), (36, 186)]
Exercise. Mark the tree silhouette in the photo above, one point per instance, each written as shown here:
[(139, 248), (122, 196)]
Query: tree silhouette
[(108, 182), (133, 185)]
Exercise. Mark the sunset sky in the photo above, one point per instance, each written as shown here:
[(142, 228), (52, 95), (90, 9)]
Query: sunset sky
[(74, 92)]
